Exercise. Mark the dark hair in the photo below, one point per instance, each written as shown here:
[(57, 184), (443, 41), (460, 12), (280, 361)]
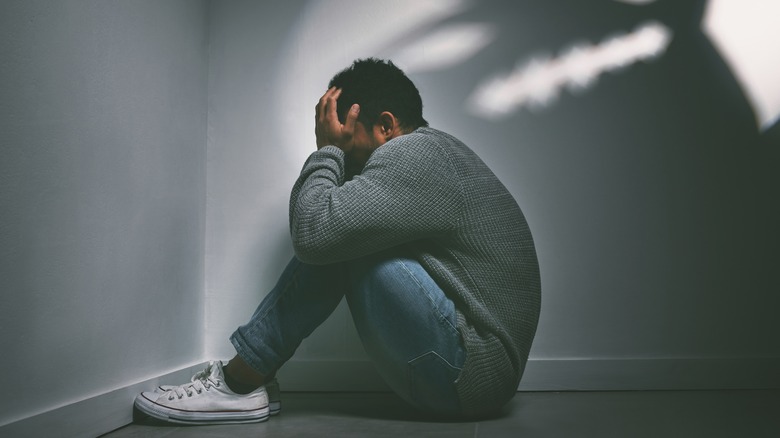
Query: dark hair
[(377, 85)]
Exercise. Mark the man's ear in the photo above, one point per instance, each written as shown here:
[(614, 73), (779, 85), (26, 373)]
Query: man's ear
[(389, 126)]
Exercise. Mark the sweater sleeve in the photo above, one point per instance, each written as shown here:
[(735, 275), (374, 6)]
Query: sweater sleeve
[(407, 191)]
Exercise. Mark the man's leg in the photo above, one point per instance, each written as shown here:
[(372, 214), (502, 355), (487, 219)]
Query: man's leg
[(405, 322), (408, 328), (303, 298)]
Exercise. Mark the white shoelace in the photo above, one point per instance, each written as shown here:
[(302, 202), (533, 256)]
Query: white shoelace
[(200, 382)]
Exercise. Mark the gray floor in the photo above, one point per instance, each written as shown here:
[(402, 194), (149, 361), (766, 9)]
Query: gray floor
[(708, 414)]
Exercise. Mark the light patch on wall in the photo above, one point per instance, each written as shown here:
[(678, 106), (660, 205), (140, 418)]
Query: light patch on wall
[(445, 47), (747, 36), (314, 53), (538, 82)]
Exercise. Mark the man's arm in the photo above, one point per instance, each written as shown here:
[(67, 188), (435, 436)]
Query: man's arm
[(406, 192)]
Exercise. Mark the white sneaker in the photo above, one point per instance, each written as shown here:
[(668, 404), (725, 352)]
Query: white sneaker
[(272, 388), (206, 399)]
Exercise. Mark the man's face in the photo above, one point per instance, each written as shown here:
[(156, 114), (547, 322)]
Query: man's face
[(365, 141)]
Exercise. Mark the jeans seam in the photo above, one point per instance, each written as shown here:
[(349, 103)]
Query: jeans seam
[(427, 295), (293, 280), (253, 329), (412, 380), (438, 355)]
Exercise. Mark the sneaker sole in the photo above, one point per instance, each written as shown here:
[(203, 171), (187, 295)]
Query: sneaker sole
[(178, 416)]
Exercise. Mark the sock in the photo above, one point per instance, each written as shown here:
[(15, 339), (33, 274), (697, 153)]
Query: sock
[(236, 386)]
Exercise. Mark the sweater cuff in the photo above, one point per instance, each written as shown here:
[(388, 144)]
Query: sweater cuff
[(327, 157), (331, 151)]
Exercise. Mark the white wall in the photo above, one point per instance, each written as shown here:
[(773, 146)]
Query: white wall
[(102, 182), (648, 194), (247, 244)]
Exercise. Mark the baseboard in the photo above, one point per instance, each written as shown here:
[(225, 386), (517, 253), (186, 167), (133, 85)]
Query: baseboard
[(106, 412), (565, 375), (93, 416), (648, 374)]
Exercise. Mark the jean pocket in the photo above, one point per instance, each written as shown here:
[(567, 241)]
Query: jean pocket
[(432, 383)]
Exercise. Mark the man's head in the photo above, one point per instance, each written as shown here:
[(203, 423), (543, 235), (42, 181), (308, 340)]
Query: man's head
[(390, 106), (378, 86)]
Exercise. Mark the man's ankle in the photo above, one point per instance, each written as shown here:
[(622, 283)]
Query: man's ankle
[(241, 378), (239, 387)]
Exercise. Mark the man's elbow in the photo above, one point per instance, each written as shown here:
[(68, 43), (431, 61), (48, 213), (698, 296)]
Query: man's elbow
[(308, 251)]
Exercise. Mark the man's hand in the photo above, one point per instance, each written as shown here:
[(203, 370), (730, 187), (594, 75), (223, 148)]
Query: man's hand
[(328, 128)]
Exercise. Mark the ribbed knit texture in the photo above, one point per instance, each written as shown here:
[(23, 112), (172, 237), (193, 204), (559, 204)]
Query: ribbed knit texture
[(428, 192)]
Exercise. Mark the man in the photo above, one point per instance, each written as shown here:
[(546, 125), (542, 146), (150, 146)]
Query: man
[(431, 251)]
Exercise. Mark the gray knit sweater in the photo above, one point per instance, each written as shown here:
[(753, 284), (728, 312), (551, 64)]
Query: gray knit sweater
[(428, 192)]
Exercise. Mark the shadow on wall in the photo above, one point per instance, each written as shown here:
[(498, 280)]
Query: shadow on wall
[(643, 174), (647, 172)]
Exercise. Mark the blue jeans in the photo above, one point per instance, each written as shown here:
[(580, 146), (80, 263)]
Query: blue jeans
[(405, 322)]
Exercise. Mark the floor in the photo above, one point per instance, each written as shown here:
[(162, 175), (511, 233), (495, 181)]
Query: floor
[(749, 414)]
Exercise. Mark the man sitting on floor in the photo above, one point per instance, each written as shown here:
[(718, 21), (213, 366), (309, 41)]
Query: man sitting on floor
[(433, 254)]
